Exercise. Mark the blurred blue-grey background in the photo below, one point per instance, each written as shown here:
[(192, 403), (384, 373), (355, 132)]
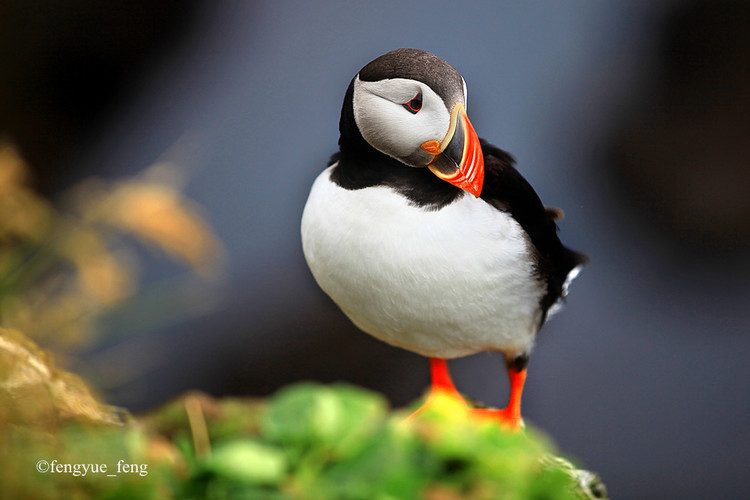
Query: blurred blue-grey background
[(632, 116)]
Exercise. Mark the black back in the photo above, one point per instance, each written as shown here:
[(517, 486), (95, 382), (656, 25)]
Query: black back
[(506, 189)]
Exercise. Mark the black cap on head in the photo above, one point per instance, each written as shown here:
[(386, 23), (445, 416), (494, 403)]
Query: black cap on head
[(418, 65)]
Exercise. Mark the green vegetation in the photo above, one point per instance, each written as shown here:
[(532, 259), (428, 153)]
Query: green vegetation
[(308, 441)]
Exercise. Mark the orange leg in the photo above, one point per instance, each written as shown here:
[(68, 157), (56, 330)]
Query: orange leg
[(510, 416), (441, 377), (441, 384)]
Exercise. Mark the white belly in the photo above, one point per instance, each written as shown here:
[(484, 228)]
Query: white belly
[(443, 283)]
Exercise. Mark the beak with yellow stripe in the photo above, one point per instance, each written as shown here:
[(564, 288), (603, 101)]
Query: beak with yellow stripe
[(458, 156)]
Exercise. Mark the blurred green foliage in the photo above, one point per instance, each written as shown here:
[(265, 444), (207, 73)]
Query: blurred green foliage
[(307, 442)]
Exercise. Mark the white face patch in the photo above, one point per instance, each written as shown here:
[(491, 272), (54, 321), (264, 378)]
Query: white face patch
[(392, 129)]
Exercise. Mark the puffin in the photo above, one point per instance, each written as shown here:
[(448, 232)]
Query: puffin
[(426, 236)]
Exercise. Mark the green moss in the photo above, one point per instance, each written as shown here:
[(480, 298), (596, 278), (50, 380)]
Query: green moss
[(308, 441)]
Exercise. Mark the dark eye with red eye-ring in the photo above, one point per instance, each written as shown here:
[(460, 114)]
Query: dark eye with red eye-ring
[(415, 104)]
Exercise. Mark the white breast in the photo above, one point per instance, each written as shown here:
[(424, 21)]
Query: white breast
[(442, 283)]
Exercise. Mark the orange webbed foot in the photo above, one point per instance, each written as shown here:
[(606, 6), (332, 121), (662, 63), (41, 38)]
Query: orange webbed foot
[(505, 417), (510, 416), (442, 389)]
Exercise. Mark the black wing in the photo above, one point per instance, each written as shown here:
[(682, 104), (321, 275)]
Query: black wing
[(506, 189)]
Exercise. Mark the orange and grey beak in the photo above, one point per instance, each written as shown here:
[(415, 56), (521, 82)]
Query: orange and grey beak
[(458, 157)]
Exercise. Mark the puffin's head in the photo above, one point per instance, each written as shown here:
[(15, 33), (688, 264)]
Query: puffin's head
[(411, 105)]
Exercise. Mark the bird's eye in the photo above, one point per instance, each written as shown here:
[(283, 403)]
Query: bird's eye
[(415, 104)]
